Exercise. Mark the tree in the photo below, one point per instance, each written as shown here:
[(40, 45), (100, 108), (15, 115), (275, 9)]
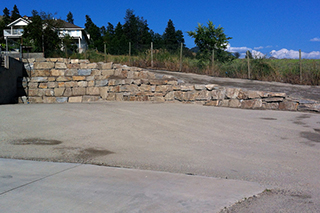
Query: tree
[(108, 36), (210, 39), (136, 31), (119, 43), (95, 34), (42, 33), (15, 14), (6, 16), (172, 38), (70, 18)]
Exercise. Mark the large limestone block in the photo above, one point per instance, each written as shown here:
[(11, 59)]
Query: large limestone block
[(107, 72), (35, 100), (211, 87), (43, 65), (61, 99), (106, 66), (63, 78), (111, 97), (93, 91), (92, 66), (169, 96), (159, 99), (60, 65), (104, 92), (101, 83), (59, 91), (42, 73), (232, 93), (33, 85), (187, 87), (82, 83), (218, 94), (90, 98), (199, 87), (43, 85), (77, 99), (56, 72), (203, 95), (119, 97), (71, 72), (288, 105), (78, 78), (49, 100), (164, 88), (67, 92), (84, 72), (52, 84), (39, 79), (234, 103), (76, 91), (73, 66)]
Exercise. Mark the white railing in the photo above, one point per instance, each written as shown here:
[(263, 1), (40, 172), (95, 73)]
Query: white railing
[(13, 32)]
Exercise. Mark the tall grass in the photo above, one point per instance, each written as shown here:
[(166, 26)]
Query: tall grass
[(280, 70)]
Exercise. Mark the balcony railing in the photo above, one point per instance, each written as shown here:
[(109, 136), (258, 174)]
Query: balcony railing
[(13, 32)]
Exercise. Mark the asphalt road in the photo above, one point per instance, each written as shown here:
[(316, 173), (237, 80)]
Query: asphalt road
[(276, 149)]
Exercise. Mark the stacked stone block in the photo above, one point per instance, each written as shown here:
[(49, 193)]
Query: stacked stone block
[(64, 80)]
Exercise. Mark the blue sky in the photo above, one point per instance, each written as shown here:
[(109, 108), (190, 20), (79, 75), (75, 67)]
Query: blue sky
[(277, 28)]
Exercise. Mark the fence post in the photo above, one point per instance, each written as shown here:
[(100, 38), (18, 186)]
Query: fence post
[(300, 64), (105, 52), (180, 68), (212, 61), (129, 53), (151, 54), (248, 59)]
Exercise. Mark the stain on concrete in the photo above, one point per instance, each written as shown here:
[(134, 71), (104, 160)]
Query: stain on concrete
[(311, 136), (6, 176), (298, 120), (36, 141), (96, 152), (269, 119)]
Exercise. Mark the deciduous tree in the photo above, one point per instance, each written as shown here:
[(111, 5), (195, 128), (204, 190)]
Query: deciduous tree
[(209, 38)]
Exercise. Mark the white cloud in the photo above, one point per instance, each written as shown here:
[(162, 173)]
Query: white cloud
[(237, 49), (294, 54), (315, 39), (269, 46), (257, 54), (258, 48)]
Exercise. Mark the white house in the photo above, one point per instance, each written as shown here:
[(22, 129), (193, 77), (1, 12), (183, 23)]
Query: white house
[(15, 32)]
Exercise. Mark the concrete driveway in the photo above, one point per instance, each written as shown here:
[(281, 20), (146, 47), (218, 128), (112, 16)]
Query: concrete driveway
[(278, 150)]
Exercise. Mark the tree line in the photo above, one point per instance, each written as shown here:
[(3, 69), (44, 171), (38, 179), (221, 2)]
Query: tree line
[(116, 38)]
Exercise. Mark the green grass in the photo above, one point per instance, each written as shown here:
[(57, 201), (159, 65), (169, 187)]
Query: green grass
[(280, 70)]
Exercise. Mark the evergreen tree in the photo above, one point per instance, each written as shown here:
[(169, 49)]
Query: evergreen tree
[(108, 36), (95, 35), (6, 16), (136, 31), (157, 40), (15, 14), (70, 18), (119, 43), (172, 38)]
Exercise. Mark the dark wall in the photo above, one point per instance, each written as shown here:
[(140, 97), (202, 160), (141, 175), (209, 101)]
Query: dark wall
[(10, 80)]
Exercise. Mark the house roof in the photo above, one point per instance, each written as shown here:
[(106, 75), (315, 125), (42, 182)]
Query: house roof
[(68, 25), (23, 20)]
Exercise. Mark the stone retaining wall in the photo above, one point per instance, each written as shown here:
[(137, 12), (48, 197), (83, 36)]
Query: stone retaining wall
[(63, 80)]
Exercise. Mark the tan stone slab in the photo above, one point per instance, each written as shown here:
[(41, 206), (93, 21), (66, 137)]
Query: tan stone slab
[(75, 99)]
